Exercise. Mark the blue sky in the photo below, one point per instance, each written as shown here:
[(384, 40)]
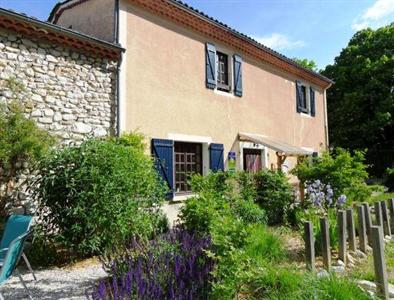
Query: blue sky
[(313, 29)]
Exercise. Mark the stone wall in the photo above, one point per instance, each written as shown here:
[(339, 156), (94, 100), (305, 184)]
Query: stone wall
[(69, 93)]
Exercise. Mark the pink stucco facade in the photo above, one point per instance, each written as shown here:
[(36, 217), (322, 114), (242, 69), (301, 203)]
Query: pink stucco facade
[(166, 94), (163, 92)]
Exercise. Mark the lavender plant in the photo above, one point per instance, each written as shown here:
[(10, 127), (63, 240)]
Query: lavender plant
[(172, 266)]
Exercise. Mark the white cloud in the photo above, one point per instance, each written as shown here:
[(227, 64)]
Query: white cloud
[(359, 25), (279, 41), (374, 16), (379, 10)]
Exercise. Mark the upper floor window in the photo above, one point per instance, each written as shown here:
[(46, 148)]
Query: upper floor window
[(305, 99), (222, 71)]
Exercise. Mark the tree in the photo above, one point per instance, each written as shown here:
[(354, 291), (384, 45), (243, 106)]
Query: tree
[(21, 143), (306, 63), (361, 102)]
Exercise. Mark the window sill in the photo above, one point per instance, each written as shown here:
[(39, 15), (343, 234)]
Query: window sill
[(181, 197), (305, 115), (222, 93)]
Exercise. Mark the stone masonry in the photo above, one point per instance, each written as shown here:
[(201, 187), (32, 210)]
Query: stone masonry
[(66, 92), (71, 94)]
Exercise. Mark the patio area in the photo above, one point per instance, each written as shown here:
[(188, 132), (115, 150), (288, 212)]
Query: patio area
[(56, 283)]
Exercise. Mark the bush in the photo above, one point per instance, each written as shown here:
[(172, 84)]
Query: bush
[(223, 211), (273, 194), (390, 179), (98, 194), (172, 266), (219, 195), (346, 173), (22, 143)]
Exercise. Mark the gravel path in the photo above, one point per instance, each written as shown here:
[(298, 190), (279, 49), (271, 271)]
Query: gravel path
[(55, 283)]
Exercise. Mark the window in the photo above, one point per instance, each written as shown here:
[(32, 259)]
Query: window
[(222, 71), (188, 161), (305, 98), (304, 106), (252, 160)]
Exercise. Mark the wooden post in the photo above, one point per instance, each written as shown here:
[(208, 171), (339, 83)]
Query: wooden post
[(309, 246), (326, 248), (342, 235), (368, 222), (378, 214), (379, 261), (385, 219), (351, 230), (391, 210), (362, 231)]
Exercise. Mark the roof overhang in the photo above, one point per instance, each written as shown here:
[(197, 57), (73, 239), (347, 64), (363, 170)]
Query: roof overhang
[(276, 145), (47, 31)]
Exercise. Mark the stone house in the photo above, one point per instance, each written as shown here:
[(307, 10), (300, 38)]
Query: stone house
[(208, 96), (66, 80)]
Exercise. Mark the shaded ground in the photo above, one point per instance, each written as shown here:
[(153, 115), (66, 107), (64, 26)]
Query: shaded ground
[(56, 283)]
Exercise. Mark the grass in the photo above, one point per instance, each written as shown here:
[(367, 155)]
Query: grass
[(283, 275), (380, 197), (365, 270)]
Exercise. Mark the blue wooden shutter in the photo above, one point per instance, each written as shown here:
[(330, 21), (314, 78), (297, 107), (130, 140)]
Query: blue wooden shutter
[(210, 68), (237, 75), (313, 104), (299, 96), (163, 152), (216, 159)]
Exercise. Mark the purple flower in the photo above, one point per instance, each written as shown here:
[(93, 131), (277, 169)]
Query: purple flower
[(341, 200)]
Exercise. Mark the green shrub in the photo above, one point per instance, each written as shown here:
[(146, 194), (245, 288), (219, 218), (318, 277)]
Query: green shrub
[(22, 143), (99, 194), (346, 173), (390, 179), (273, 194)]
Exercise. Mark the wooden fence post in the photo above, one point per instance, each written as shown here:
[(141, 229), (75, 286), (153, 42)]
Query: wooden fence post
[(362, 232), (368, 222), (391, 209), (351, 230), (326, 248), (342, 235), (385, 219), (309, 246), (378, 214), (379, 261)]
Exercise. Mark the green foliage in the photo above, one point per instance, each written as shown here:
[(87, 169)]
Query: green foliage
[(225, 210), (311, 215), (361, 102), (346, 173), (306, 63), (339, 288), (263, 245), (280, 283), (99, 194), (390, 179), (274, 194), (283, 283), (22, 143)]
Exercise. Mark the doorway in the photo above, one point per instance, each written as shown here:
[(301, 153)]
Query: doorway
[(252, 160)]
